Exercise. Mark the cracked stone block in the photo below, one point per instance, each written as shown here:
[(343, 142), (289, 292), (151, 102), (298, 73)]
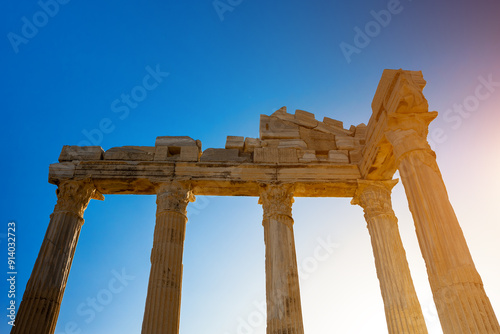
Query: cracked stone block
[(339, 156), (63, 170), (130, 153), (251, 144), (224, 155), (355, 156), (345, 143), (280, 111), (189, 153), (361, 131), (317, 140), (292, 143), (333, 122), (305, 118), (235, 142), (176, 141), (266, 155), (274, 128), (307, 156), (70, 153), (287, 155)]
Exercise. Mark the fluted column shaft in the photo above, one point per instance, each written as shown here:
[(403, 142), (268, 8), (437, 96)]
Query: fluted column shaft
[(42, 298), (402, 308), (163, 302), (461, 301), (284, 311)]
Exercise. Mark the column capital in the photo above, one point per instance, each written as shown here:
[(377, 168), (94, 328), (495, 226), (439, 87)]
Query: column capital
[(408, 133), (375, 198), (276, 199), (74, 196), (174, 196)]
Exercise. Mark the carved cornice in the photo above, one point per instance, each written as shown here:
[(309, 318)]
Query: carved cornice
[(375, 198), (74, 196), (277, 199), (174, 196), (409, 96)]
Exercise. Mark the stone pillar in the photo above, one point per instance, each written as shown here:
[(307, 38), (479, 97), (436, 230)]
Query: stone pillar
[(284, 312), (42, 298), (402, 308), (461, 301), (163, 302)]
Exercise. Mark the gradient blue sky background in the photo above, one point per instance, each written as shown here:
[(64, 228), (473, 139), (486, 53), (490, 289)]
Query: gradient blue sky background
[(223, 74)]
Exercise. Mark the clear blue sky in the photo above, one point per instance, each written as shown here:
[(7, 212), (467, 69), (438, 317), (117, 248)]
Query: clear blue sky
[(63, 74)]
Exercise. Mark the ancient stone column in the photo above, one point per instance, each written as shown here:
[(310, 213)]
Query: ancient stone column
[(460, 298), (42, 298), (402, 308), (163, 302), (284, 312)]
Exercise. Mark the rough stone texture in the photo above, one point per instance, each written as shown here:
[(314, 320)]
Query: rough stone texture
[(345, 143), (306, 119), (317, 140), (176, 141), (287, 155), (284, 311), (308, 156), (190, 153), (274, 128), (224, 155), (70, 153), (459, 295), (361, 130), (333, 122), (163, 301), (42, 298), (292, 143), (338, 156), (130, 153), (355, 156), (266, 155), (235, 142), (395, 138), (251, 144), (402, 308)]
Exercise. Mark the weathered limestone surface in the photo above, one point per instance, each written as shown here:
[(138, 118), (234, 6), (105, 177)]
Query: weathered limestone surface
[(402, 308), (224, 155), (70, 153), (42, 298), (163, 302), (295, 155), (130, 153), (284, 312), (459, 295), (458, 291), (237, 142)]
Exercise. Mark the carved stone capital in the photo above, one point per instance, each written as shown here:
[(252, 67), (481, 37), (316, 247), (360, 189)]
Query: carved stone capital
[(174, 196), (74, 196), (375, 198), (408, 133), (276, 199), (408, 95)]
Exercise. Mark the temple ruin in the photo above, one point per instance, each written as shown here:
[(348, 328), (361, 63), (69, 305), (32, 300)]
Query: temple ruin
[(295, 156)]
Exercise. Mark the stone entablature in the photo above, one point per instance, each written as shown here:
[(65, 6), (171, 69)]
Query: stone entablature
[(294, 156)]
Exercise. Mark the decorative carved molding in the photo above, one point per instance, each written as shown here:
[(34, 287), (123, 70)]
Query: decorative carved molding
[(375, 198), (174, 196), (408, 134), (74, 196), (276, 199), (409, 96)]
